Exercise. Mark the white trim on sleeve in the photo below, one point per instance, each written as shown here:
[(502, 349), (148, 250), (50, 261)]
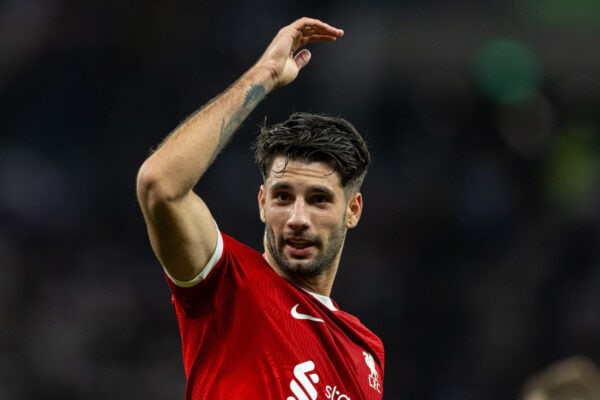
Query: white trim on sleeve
[(214, 259)]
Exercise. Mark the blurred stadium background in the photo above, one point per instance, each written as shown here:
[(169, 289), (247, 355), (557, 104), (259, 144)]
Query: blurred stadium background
[(477, 260)]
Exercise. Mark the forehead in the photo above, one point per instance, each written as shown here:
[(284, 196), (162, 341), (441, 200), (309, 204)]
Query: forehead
[(306, 172)]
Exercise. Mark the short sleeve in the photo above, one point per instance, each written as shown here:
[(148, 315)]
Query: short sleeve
[(214, 259)]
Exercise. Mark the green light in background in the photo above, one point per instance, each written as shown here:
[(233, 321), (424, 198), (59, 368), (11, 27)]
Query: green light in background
[(507, 71), (573, 172), (583, 14)]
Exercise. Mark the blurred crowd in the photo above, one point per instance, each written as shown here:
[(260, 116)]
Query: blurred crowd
[(477, 259)]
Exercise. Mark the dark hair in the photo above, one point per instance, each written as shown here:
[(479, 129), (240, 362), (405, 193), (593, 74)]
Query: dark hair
[(315, 137)]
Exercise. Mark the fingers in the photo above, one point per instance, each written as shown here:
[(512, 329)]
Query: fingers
[(310, 27), (320, 38), (308, 30)]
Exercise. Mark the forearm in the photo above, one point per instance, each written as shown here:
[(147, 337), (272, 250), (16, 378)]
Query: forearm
[(175, 168), (181, 160)]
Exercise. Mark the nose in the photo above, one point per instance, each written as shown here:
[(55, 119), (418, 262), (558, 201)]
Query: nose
[(298, 218)]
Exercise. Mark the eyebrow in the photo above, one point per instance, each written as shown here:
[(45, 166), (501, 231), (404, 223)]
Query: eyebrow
[(280, 185), (313, 189)]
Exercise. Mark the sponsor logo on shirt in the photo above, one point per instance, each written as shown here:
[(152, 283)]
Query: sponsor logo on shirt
[(303, 384), (332, 392)]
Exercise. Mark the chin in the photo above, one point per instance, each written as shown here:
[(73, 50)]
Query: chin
[(307, 268)]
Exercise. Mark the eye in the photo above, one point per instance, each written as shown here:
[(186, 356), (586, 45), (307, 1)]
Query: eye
[(282, 196), (319, 199)]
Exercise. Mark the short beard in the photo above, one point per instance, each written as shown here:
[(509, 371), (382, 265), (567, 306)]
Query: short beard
[(321, 263)]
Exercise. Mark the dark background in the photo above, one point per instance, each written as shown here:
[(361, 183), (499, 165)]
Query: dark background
[(477, 258)]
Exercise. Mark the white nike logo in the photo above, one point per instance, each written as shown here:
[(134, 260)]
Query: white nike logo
[(298, 315)]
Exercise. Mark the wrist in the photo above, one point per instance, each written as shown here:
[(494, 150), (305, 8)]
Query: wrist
[(263, 74)]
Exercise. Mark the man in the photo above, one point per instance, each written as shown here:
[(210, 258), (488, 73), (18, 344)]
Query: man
[(262, 326)]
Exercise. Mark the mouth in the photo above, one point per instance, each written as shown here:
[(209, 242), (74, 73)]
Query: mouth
[(299, 247), (299, 243)]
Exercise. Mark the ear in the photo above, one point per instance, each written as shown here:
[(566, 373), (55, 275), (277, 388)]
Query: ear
[(261, 202), (354, 211)]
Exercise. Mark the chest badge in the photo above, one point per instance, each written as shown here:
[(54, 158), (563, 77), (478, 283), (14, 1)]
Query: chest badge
[(373, 376)]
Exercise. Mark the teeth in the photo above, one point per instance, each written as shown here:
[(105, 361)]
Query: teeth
[(299, 244)]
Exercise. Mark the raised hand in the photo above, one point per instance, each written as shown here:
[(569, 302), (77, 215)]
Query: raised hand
[(282, 57)]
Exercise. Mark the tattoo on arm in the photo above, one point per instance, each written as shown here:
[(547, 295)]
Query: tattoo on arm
[(254, 95)]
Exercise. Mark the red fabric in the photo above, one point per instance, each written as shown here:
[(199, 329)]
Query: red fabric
[(241, 341)]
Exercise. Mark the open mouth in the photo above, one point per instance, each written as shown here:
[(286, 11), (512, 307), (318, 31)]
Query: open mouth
[(299, 247), (299, 243)]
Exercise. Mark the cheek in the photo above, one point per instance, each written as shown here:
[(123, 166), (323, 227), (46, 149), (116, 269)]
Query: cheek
[(273, 216), (329, 222)]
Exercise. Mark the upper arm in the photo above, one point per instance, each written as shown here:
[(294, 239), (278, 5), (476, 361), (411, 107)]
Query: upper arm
[(182, 231)]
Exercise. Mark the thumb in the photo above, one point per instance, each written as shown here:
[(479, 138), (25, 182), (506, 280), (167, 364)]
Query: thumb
[(302, 58)]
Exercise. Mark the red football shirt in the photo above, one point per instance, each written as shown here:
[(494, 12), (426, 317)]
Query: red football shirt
[(247, 333)]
